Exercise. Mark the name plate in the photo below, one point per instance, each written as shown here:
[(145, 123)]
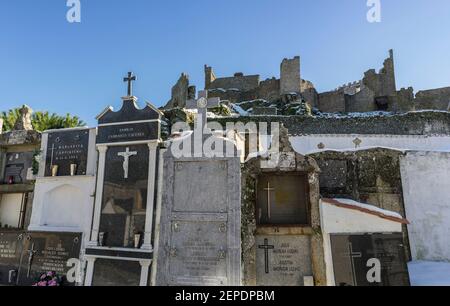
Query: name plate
[(67, 148), (129, 132)]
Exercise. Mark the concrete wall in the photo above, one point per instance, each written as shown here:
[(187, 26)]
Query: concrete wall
[(309, 144), (426, 185)]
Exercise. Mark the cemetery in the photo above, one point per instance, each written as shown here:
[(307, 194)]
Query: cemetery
[(116, 205)]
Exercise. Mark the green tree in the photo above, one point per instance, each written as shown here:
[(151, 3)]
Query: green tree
[(41, 121)]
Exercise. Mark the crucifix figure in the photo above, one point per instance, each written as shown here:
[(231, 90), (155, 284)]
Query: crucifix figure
[(126, 160), (268, 189), (31, 253), (130, 79), (352, 256), (266, 247)]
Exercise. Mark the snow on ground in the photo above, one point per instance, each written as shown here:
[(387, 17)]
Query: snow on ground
[(428, 273)]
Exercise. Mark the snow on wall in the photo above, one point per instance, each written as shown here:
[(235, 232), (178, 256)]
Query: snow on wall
[(426, 190), (309, 144)]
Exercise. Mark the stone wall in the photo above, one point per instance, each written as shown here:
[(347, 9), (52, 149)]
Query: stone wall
[(371, 176), (438, 99), (332, 102), (413, 123), (239, 81)]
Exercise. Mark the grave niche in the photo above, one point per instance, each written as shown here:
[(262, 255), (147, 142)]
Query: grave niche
[(352, 255), (282, 239), (17, 165), (66, 150), (282, 199)]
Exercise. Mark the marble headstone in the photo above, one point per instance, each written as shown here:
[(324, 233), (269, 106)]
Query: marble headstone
[(199, 239), (65, 148)]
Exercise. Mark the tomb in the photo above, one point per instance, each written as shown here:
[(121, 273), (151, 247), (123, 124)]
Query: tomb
[(198, 219), (65, 185), (120, 247), (18, 149), (282, 241)]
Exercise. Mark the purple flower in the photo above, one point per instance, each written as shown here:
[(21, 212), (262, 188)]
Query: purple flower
[(52, 283), (50, 274), (42, 284)]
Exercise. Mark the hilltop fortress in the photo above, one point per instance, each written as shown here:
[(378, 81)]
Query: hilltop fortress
[(376, 91)]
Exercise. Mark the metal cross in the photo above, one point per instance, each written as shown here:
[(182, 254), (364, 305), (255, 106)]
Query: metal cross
[(352, 256), (266, 247), (126, 160), (268, 189), (130, 79), (31, 253)]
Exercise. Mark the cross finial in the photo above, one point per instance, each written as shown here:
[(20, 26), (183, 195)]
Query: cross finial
[(130, 79)]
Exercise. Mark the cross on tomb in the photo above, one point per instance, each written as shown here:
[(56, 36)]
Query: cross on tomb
[(266, 247), (202, 104), (130, 79), (31, 253), (352, 255), (126, 160), (268, 189)]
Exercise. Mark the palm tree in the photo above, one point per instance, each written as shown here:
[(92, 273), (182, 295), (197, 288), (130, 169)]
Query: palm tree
[(41, 121)]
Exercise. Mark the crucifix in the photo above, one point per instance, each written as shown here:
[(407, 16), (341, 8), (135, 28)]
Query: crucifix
[(130, 79), (31, 253), (352, 256), (266, 247), (126, 160), (268, 189)]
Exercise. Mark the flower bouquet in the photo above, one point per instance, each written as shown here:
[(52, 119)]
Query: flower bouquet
[(49, 279)]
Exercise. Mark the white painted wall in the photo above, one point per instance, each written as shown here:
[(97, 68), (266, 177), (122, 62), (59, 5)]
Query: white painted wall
[(10, 209), (426, 191), (338, 220), (308, 144)]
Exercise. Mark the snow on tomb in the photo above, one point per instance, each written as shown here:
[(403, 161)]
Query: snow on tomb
[(127, 142), (199, 237)]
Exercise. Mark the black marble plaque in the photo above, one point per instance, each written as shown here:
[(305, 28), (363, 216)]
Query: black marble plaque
[(11, 246), (65, 148), (25, 256), (352, 253), (124, 195), (129, 132), (17, 165), (109, 272), (51, 252)]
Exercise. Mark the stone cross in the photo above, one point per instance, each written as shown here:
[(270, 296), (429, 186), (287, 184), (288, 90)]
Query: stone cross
[(126, 160), (130, 79), (266, 247), (268, 189), (23, 122)]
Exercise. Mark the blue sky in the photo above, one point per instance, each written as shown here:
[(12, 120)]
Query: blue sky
[(53, 65)]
